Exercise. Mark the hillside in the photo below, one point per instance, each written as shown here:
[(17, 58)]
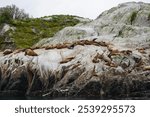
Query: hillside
[(127, 23), (107, 58), (24, 33)]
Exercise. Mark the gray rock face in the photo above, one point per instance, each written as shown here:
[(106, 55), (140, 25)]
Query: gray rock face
[(128, 24), (106, 58), (6, 41), (84, 71), (6, 28)]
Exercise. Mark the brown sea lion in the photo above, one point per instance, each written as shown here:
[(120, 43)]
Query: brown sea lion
[(7, 51), (60, 46), (96, 58), (66, 60), (49, 47), (146, 68), (30, 52), (126, 52), (71, 46), (141, 50)]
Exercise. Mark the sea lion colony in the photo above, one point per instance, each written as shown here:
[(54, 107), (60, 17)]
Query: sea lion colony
[(105, 56)]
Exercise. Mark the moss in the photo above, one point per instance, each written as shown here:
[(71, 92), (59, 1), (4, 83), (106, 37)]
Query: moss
[(133, 17), (30, 31)]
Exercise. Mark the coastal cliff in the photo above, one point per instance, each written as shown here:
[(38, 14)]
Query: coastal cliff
[(108, 58)]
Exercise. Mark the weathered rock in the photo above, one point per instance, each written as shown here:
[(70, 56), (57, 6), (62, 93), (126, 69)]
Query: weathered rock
[(101, 60), (136, 58), (113, 25), (119, 71), (125, 62), (91, 89)]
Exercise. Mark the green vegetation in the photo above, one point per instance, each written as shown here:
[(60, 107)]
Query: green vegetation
[(133, 17), (149, 16), (5, 17), (8, 13), (30, 31), (25, 31)]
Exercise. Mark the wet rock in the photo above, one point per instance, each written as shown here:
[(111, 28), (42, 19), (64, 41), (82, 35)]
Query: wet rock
[(70, 76), (16, 81), (35, 86), (90, 89), (114, 88)]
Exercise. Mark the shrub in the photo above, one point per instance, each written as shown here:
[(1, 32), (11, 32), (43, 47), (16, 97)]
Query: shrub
[(30, 31), (9, 13), (133, 17), (149, 17), (5, 17)]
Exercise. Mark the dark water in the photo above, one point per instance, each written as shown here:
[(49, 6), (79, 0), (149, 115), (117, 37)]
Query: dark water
[(39, 98), (145, 95), (45, 98), (70, 98)]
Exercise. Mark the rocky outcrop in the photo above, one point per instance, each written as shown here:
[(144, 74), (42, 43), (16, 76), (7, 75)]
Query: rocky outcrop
[(101, 59), (6, 42), (88, 70), (127, 24)]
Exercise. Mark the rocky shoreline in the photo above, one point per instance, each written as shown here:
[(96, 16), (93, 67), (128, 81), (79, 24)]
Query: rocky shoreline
[(89, 71), (108, 58)]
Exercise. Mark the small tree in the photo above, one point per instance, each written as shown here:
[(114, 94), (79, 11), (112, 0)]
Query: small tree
[(17, 13), (5, 17), (12, 12)]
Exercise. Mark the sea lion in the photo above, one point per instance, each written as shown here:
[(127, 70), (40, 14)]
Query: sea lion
[(60, 46), (79, 43), (113, 50), (141, 50), (71, 46), (30, 52), (146, 68), (7, 51), (103, 43), (87, 42), (49, 47), (96, 58), (18, 51), (37, 47), (66, 60), (126, 52)]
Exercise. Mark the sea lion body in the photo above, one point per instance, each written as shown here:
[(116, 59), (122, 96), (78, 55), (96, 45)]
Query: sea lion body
[(7, 51), (30, 52)]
